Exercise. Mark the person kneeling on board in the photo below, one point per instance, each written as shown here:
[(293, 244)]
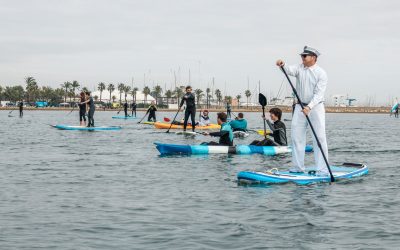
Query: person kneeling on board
[(239, 124), (225, 134), (278, 129), (152, 112), (204, 119)]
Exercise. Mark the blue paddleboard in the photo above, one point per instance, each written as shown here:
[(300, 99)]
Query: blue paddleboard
[(100, 128), (124, 117)]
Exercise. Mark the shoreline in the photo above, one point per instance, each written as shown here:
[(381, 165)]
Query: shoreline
[(285, 109)]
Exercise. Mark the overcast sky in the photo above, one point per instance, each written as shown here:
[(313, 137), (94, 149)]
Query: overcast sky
[(113, 41)]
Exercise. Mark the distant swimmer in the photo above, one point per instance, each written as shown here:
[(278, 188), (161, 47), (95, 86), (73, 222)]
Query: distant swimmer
[(239, 124), (278, 129), (189, 98), (225, 134), (82, 109), (21, 108), (152, 112)]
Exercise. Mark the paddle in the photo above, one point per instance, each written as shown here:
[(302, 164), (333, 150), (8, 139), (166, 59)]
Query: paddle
[(174, 119), (72, 109), (311, 126), (263, 102), (143, 116)]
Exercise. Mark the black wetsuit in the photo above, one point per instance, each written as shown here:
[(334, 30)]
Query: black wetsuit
[(21, 109), (279, 134), (190, 110), (228, 110), (134, 108), (91, 112), (126, 109), (152, 113), (82, 112), (396, 112)]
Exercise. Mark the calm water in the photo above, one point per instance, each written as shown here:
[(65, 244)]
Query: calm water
[(111, 190)]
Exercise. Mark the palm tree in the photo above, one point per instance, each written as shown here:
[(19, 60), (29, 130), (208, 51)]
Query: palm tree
[(218, 95), (168, 95), (121, 88), (31, 87), (199, 94), (110, 88), (113, 98), (208, 90), (127, 89), (74, 85), (1, 93), (157, 91), (133, 93), (84, 89), (238, 100), (101, 87), (66, 86), (146, 92), (178, 94), (247, 94), (96, 98)]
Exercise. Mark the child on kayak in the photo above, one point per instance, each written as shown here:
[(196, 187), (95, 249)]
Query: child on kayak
[(278, 129), (152, 112), (225, 134), (204, 119), (239, 124)]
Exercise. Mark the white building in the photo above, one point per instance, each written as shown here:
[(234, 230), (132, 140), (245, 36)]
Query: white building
[(140, 98)]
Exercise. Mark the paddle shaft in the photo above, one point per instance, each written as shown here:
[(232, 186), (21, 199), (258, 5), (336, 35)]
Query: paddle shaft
[(174, 119), (265, 127), (143, 117), (311, 126)]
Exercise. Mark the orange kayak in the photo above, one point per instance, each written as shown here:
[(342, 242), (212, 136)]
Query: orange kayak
[(163, 125)]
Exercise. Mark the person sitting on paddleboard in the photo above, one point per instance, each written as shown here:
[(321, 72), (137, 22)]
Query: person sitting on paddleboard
[(225, 134), (126, 109), (82, 110), (152, 112), (204, 119), (89, 101), (239, 124), (278, 129), (134, 106), (190, 110), (21, 108)]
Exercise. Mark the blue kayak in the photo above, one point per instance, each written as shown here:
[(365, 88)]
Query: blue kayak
[(274, 176), (68, 127), (238, 149), (124, 117)]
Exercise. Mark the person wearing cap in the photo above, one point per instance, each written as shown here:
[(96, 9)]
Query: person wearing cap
[(311, 82), (204, 118)]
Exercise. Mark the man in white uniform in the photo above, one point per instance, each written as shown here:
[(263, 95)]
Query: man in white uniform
[(311, 81)]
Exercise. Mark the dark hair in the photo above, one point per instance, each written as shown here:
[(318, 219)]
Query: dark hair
[(188, 87), (88, 92), (277, 112), (240, 115), (82, 97), (222, 116)]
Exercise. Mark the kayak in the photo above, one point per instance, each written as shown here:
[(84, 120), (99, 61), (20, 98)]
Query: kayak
[(125, 117), (240, 134), (261, 132), (148, 123), (238, 149), (162, 125), (345, 171), (69, 127)]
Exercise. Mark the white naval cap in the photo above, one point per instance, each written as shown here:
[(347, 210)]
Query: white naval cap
[(310, 51)]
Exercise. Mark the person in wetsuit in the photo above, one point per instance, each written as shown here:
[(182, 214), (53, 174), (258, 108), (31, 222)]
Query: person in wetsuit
[(396, 111), (82, 109), (278, 129), (90, 104), (228, 110), (190, 108), (152, 112), (204, 119), (21, 108), (239, 124), (225, 134), (134, 106), (126, 109)]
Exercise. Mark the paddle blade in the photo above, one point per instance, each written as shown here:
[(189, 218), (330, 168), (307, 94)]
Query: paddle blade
[(166, 119), (262, 100)]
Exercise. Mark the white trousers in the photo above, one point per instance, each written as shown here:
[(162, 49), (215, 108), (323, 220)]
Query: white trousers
[(299, 130)]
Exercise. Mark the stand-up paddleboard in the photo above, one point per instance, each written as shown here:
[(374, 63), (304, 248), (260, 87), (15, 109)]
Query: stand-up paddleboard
[(100, 128), (238, 149), (240, 134), (125, 117), (274, 176)]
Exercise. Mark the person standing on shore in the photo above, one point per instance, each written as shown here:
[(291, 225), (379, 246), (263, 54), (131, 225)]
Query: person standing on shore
[(134, 106), (21, 108), (82, 109), (311, 82), (190, 110)]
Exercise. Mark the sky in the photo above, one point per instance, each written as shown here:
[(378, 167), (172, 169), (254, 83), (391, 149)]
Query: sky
[(235, 42)]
